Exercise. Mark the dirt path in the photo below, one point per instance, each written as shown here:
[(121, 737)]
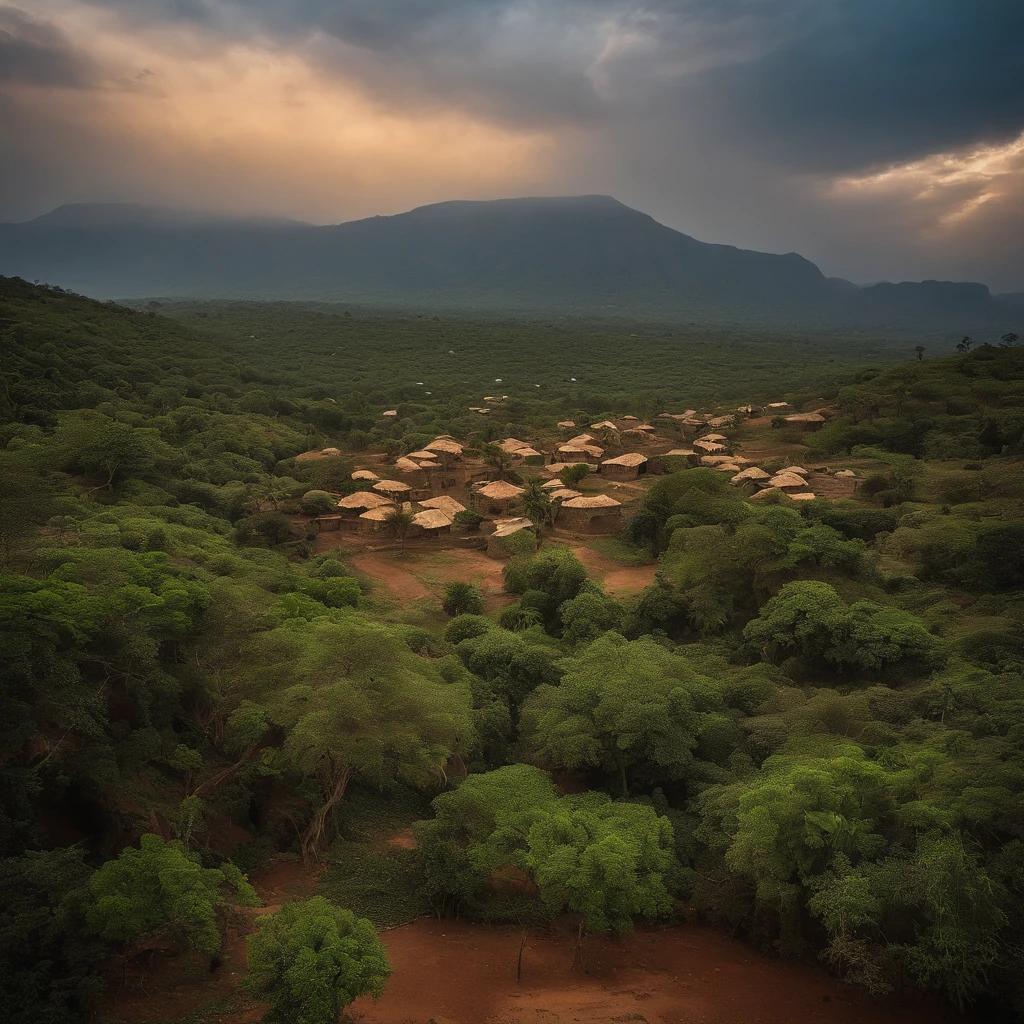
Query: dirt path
[(453, 972), (399, 582), (617, 579)]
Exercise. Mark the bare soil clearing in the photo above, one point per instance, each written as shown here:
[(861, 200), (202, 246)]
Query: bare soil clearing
[(399, 582), (454, 972), (617, 579)]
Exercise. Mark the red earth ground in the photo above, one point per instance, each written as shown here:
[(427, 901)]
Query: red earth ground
[(454, 972)]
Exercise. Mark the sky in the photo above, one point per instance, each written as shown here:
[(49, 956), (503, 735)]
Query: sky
[(883, 139)]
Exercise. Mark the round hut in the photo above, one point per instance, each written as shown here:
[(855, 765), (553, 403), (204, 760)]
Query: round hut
[(624, 467), (595, 514)]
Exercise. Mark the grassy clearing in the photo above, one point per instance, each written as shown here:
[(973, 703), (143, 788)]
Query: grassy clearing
[(620, 552)]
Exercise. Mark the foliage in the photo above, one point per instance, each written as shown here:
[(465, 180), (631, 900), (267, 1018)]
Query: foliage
[(463, 599), (311, 959)]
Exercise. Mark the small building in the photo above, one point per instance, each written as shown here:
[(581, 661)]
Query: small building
[(432, 522), (846, 473), (496, 547), (753, 474), (330, 451), (714, 437), (607, 424), (595, 514), (362, 501), (497, 496), (364, 474), (680, 453), (448, 505), (565, 494), (709, 446), (327, 523), (566, 425), (727, 467), (512, 444), (624, 467), (553, 485), (390, 412), (588, 453), (788, 482), (529, 456), (392, 488), (373, 519), (445, 446)]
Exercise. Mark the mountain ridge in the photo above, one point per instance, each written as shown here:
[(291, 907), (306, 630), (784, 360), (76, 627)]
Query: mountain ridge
[(569, 253)]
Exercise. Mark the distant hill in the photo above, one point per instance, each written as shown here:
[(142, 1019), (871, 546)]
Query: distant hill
[(577, 253)]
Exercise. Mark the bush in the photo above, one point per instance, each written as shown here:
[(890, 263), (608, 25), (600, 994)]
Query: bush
[(572, 475), (463, 599), (469, 519), (316, 503)]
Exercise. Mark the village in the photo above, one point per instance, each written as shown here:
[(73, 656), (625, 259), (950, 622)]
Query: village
[(574, 484)]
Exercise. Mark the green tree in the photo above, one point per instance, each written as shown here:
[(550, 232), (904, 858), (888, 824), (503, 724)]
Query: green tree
[(461, 598), (158, 888), (537, 504), (574, 473), (630, 708), (398, 522), (312, 959)]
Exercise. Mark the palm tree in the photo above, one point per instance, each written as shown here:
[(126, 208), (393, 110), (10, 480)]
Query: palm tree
[(500, 460), (537, 504), (397, 523)]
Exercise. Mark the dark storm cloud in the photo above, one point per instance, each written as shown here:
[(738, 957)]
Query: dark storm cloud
[(36, 52), (811, 84)]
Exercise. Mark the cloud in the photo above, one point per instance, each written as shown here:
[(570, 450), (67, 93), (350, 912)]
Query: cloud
[(37, 53), (830, 127)]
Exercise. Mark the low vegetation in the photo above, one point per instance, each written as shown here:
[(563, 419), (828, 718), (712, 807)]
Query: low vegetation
[(807, 728)]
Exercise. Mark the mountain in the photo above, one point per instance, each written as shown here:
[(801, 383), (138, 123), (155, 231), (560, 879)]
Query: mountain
[(581, 253)]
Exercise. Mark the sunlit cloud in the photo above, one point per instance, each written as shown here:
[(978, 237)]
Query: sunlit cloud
[(952, 185)]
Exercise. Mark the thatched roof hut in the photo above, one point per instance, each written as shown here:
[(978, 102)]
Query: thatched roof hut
[(420, 455), (444, 445), (581, 453), (497, 495), (804, 496), (566, 424), (795, 469), (788, 482), (362, 500), (624, 467), (390, 412), (392, 487), (681, 453), (714, 460), (709, 446), (330, 451), (565, 494), (512, 445), (727, 467), (605, 425), (580, 439), (364, 474), (777, 405), (753, 473), (714, 437), (444, 503), (432, 521), (846, 473), (596, 513), (628, 416), (373, 519), (552, 485), (806, 419), (530, 456), (405, 465)]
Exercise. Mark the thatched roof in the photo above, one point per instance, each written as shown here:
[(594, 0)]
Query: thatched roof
[(394, 486), (444, 444), (646, 428), (445, 503), (557, 467), (330, 451), (777, 405), (421, 455), (364, 474), (629, 459), (714, 460), (566, 494), (628, 417), (364, 499), (846, 473), (605, 425), (720, 421), (431, 519), (805, 496), (527, 453), (709, 446), (806, 417), (787, 480), (751, 474), (500, 490), (714, 437), (580, 439), (566, 424), (586, 449), (553, 485), (681, 452), (405, 465), (795, 469), (378, 515), (390, 412), (510, 526), (594, 501), (512, 444), (727, 467)]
